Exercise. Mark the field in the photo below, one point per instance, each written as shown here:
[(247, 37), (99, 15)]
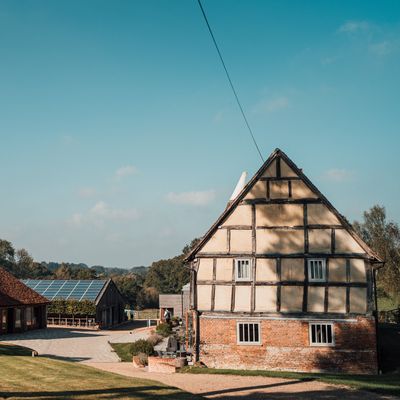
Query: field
[(22, 377)]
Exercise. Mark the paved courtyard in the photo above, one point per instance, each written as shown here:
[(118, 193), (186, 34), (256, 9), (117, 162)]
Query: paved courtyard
[(75, 345)]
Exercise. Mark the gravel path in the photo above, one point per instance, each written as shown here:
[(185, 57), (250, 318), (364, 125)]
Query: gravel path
[(75, 345), (243, 387)]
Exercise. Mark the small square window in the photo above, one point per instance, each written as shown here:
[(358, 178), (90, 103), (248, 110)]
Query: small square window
[(243, 269), (248, 333), (317, 270), (321, 334)]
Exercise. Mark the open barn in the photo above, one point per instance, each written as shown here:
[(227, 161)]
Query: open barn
[(81, 302)]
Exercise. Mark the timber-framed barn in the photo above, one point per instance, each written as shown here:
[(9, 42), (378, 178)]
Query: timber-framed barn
[(281, 281)]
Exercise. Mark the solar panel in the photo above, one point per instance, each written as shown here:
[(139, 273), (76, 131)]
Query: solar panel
[(66, 289)]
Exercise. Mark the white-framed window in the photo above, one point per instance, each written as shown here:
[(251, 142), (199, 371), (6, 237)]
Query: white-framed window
[(248, 333), (317, 270), (322, 334), (243, 269)]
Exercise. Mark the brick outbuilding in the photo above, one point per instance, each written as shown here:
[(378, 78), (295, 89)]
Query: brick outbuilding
[(21, 308)]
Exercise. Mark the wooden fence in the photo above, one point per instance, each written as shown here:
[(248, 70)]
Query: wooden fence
[(87, 322)]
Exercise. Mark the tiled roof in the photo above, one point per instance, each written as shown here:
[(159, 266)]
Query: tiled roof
[(13, 292)]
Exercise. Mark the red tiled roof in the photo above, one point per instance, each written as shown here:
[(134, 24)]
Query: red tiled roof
[(14, 293)]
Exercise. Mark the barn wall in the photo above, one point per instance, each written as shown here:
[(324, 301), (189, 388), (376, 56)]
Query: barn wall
[(110, 307)]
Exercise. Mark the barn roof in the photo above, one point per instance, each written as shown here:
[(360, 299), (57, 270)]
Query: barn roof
[(14, 292), (68, 289)]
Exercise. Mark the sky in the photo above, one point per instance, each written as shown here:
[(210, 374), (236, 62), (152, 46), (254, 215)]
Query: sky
[(121, 139)]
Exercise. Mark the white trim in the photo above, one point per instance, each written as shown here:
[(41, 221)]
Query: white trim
[(248, 343), (315, 344), (237, 279), (311, 263), (288, 318)]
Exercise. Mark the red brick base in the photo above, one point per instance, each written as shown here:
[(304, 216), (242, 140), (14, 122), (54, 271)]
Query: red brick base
[(285, 346)]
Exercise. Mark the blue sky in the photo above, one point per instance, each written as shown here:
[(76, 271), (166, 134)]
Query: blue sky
[(121, 140)]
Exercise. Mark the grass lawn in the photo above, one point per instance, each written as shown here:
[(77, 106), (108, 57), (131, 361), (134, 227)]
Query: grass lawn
[(123, 351), (388, 384), (25, 377)]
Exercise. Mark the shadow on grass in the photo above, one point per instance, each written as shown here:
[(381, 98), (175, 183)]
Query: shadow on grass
[(12, 350), (140, 392)]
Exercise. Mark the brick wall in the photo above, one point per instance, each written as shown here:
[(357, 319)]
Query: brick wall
[(285, 346)]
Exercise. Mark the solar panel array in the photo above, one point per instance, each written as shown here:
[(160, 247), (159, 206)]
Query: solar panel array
[(66, 289)]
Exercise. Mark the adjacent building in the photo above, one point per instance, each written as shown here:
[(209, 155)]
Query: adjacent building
[(108, 301), (282, 282), (21, 308), (176, 304)]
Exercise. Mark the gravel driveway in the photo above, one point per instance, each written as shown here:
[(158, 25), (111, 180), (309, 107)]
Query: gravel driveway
[(75, 345), (228, 387)]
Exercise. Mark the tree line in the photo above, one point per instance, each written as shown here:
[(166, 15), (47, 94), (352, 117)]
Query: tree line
[(141, 285)]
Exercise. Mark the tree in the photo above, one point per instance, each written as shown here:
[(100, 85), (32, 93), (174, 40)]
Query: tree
[(383, 237), (130, 286), (168, 276), (7, 254), (23, 264)]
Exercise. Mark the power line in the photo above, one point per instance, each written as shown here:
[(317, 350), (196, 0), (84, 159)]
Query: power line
[(230, 80)]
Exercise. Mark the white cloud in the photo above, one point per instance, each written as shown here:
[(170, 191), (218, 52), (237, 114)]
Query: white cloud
[(329, 60), (68, 140), (87, 192), (101, 213), (354, 26), (272, 105), (126, 170), (200, 198), (381, 49), (338, 175)]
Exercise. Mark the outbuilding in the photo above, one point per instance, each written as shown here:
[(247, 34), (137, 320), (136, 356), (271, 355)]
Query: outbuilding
[(104, 304), (21, 308)]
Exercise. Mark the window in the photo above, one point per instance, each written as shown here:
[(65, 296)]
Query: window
[(321, 334), (28, 316), (317, 270), (18, 316), (248, 333), (243, 269), (3, 315)]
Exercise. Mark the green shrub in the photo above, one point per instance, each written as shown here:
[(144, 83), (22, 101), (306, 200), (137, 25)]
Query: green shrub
[(164, 329), (141, 346)]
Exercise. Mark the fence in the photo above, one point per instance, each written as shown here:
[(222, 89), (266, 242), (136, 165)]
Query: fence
[(74, 322), (151, 313)]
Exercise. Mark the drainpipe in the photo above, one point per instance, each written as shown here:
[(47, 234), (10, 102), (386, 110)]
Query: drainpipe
[(378, 353)]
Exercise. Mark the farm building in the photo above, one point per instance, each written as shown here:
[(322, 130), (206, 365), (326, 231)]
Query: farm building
[(102, 303), (282, 282), (176, 304), (21, 308)]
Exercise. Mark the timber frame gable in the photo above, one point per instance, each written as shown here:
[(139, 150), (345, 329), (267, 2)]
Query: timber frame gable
[(275, 158)]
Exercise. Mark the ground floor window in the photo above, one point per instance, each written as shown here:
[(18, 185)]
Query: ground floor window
[(3, 321), (248, 333), (18, 318), (29, 316), (321, 334)]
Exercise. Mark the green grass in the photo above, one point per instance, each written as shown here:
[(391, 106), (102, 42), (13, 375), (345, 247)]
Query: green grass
[(388, 384), (123, 351), (23, 376), (387, 304)]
